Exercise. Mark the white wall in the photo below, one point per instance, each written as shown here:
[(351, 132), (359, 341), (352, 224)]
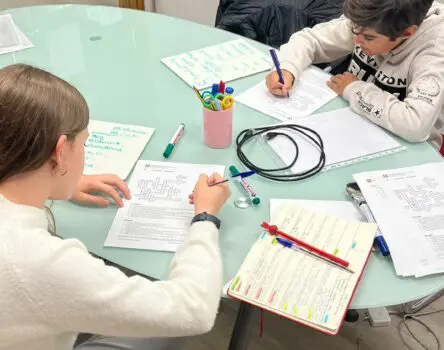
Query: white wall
[(5, 4), (200, 11)]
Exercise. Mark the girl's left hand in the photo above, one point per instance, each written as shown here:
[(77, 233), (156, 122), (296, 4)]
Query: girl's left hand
[(106, 184)]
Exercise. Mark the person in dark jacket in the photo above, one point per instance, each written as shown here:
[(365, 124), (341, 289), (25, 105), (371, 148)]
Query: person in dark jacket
[(272, 22)]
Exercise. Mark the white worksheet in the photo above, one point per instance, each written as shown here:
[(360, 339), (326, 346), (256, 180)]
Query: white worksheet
[(159, 214), (408, 205), (309, 94), (11, 37), (227, 61), (347, 137), (114, 148)]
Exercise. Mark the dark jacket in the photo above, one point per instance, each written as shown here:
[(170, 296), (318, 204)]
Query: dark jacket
[(272, 22)]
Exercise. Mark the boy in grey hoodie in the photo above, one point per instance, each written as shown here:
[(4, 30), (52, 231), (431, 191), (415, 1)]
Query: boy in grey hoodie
[(396, 74)]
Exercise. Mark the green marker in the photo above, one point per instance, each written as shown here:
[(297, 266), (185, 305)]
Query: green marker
[(255, 200), (174, 140)]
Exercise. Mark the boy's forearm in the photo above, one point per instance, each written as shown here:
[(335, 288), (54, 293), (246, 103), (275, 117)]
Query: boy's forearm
[(411, 119)]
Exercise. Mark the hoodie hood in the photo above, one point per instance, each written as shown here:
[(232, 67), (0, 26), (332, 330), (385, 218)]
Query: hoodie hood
[(428, 32)]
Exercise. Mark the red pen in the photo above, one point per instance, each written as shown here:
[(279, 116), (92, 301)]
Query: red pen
[(222, 87), (273, 230)]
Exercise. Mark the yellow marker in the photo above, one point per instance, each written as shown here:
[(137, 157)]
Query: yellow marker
[(285, 306), (234, 284), (310, 315)]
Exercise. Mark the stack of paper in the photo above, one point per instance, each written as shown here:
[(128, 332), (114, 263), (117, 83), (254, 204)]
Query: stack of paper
[(227, 61), (158, 216), (308, 95), (408, 205), (348, 138), (11, 37)]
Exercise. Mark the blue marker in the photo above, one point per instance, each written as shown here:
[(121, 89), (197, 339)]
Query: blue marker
[(278, 67), (229, 90), (215, 89)]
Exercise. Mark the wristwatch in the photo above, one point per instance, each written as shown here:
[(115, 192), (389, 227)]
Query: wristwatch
[(206, 217)]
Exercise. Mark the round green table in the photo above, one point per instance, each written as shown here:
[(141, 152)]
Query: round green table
[(113, 57)]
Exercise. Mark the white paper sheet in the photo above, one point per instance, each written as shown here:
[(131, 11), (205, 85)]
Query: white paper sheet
[(408, 204), (348, 138), (158, 216), (309, 94), (11, 37), (114, 148), (227, 61)]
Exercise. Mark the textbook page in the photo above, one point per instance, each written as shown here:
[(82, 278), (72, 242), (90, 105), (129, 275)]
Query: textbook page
[(348, 138), (158, 216), (114, 148), (227, 61), (408, 204), (309, 94), (297, 285)]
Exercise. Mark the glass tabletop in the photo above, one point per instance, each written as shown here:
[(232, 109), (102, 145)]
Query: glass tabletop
[(113, 57)]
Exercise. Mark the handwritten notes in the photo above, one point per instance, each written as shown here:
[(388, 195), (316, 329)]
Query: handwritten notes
[(299, 286), (309, 93), (114, 148), (227, 61)]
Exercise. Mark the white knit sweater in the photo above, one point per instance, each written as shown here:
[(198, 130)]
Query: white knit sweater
[(51, 289)]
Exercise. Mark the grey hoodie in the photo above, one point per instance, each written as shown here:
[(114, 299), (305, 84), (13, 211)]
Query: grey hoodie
[(402, 91)]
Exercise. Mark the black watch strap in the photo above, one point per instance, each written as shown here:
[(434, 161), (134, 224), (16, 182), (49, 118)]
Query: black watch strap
[(206, 217)]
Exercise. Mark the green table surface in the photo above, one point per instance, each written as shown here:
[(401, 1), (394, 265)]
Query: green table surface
[(113, 57)]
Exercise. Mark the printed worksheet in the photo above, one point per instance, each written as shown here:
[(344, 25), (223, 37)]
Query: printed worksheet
[(114, 148), (227, 61), (408, 204), (309, 94), (159, 214), (300, 286)]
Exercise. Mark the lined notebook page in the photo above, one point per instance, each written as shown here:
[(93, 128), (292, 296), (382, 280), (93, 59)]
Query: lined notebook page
[(297, 285)]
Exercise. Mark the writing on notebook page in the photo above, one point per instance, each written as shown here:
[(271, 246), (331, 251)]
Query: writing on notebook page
[(114, 148), (298, 285), (159, 214)]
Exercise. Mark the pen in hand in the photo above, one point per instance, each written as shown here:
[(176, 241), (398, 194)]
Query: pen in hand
[(278, 68)]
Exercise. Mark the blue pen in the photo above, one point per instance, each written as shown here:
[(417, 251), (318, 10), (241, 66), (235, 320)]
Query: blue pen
[(278, 67), (379, 238), (355, 193), (296, 247), (239, 175)]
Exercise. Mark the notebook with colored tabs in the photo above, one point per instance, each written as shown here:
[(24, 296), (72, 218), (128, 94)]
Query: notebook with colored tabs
[(297, 285)]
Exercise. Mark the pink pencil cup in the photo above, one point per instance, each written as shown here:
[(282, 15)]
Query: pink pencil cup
[(217, 127)]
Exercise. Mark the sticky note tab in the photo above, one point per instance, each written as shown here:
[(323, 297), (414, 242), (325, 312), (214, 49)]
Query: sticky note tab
[(354, 245), (310, 314), (234, 284), (295, 311), (274, 241), (285, 306), (336, 252), (325, 318)]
